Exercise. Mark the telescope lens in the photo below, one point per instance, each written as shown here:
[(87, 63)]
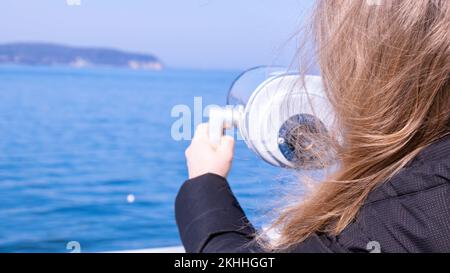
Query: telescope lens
[(302, 141)]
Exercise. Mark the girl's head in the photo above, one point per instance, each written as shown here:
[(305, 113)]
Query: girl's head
[(386, 70)]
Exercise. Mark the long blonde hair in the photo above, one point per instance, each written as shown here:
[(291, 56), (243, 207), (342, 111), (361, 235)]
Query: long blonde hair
[(386, 70)]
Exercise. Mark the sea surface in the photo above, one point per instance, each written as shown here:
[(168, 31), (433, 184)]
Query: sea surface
[(87, 156)]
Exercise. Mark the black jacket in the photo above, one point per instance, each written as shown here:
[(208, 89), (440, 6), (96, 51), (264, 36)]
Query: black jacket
[(409, 213)]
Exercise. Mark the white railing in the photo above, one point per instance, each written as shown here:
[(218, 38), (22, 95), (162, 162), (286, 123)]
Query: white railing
[(175, 249), (270, 234)]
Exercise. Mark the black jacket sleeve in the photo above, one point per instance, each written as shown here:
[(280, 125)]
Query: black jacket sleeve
[(207, 210), (408, 213), (210, 219)]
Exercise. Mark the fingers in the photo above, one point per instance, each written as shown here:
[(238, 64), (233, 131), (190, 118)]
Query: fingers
[(226, 146), (202, 136), (227, 142), (201, 133)]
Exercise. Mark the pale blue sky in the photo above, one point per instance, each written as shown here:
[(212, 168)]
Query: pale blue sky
[(229, 34)]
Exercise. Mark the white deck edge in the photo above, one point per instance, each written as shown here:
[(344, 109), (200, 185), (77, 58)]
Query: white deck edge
[(174, 249)]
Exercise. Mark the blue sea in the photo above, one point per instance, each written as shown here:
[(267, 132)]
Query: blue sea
[(78, 145)]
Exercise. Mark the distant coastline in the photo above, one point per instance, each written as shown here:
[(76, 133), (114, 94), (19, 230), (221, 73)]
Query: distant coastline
[(46, 54)]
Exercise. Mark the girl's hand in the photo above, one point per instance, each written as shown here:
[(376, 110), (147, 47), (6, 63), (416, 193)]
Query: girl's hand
[(202, 157)]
